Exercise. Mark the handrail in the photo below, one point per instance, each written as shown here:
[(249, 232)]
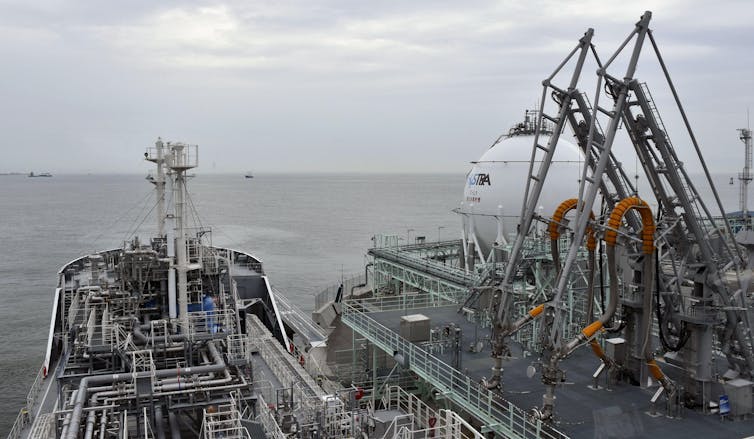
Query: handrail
[(401, 302), (498, 414), (23, 419)]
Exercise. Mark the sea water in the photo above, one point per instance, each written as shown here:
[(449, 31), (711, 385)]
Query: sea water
[(310, 230)]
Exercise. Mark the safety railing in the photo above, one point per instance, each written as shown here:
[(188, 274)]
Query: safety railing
[(284, 366), (498, 414), (211, 322), (426, 422), (402, 302), (238, 347), (329, 293), (24, 418), (396, 398), (223, 422), (267, 419)]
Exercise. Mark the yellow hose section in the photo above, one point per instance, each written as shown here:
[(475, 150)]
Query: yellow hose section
[(557, 218), (598, 350), (589, 331), (537, 310), (655, 370), (648, 223)]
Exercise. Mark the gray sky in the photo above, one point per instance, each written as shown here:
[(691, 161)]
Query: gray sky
[(386, 86)]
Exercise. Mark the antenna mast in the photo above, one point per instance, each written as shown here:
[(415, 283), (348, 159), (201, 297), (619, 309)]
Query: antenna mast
[(745, 177)]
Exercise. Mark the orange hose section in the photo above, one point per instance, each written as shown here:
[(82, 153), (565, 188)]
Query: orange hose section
[(655, 370), (557, 218), (648, 223), (537, 311), (589, 331), (597, 349)]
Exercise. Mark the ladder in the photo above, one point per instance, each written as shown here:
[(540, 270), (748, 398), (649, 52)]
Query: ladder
[(536, 181)]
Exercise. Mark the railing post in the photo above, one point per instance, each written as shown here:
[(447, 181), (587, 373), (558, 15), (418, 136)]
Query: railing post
[(510, 411)]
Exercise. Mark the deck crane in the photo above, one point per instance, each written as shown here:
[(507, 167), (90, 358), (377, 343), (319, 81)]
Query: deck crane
[(673, 264)]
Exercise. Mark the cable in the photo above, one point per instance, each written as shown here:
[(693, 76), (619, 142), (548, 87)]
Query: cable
[(129, 233), (685, 334), (141, 201), (142, 222)]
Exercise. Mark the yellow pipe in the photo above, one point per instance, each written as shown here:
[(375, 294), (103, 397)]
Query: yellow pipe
[(590, 330), (655, 370), (598, 351), (537, 310)]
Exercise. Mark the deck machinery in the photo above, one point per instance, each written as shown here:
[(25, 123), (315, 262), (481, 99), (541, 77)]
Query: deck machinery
[(677, 253), (651, 282)]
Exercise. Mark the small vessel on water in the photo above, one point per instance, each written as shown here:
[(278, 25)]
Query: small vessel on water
[(249, 175), (41, 174)]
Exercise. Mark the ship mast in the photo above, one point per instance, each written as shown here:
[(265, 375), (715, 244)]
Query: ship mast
[(158, 158), (745, 177), (181, 161), (160, 187)]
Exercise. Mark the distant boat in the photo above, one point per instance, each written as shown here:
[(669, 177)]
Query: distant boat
[(42, 174), (249, 175)]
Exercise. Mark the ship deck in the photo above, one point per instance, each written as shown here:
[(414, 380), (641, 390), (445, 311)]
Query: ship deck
[(621, 412)]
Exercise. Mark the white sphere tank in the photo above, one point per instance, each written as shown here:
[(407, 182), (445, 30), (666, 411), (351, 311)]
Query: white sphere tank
[(496, 184)]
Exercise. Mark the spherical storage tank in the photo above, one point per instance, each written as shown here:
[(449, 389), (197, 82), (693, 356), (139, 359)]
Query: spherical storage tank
[(496, 184)]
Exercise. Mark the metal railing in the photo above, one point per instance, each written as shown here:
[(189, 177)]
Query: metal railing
[(23, 419), (224, 422), (498, 414), (283, 365), (329, 293), (211, 322), (238, 347), (403, 302), (267, 419), (431, 423)]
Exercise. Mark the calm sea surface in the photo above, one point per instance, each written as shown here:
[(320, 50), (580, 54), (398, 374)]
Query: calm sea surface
[(308, 230)]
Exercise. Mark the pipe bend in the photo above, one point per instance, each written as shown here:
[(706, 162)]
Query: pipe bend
[(647, 221), (557, 218)]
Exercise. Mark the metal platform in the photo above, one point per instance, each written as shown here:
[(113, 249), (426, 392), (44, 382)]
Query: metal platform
[(622, 411)]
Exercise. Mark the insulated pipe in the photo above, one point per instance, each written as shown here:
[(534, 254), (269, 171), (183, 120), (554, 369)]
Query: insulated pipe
[(91, 418), (140, 338), (554, 229), (591, 245), (366, 279), (91, 381), (158, 422), (648, 248), (175, 430), (170, 387), (611, 236), (67, 419)]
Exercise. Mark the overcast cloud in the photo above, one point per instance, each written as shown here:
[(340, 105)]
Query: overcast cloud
[(322, 86)]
